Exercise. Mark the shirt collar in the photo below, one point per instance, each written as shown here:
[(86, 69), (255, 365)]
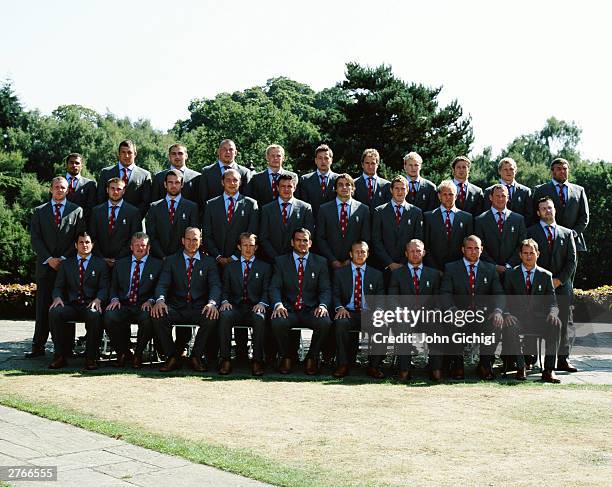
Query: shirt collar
[(544, 225), (457, 183), (143, 260), (196, 256), (280, 201), (362, 267), (233, 165), (182, 169), (87, 259), (496, 211), (524, 269), (63, 202), (70, 177), (411, 267), (557, 183), (319, 173), (444, 210), (512, 184), (250, 261), (227, 196), (468, 264), (296, 256), (366, 177), (177, 198), (272, 173), (118, 204), (129, 168), (339, 201)]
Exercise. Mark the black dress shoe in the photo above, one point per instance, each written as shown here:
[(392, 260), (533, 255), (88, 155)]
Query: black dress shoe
[(565, 366), (36, 352), (550, 377)]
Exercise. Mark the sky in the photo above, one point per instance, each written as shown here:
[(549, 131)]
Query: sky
[(510, 65)]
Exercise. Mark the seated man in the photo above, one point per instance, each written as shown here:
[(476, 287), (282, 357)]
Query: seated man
[(245, 298), (415, 279), (131, 299), (352, 285), (80, 290), (301, 294), (534, 315), (187, 293)]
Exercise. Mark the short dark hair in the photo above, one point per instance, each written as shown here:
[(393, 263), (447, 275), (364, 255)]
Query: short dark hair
[(557, 161), (324, 148), (301, 230), (129, 144), (461, 159), (82, 235), (173, 172), (115, 180), (288, 177), (245, 235), (74, 155), (346, 176), (544, 199)]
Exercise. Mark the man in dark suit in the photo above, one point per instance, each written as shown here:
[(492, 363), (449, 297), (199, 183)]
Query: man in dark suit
[(281, 217), (54, 228), (226, 217), (264, 184), (537, 313), (370, 188), (81, 191), (137, 179), (244, 301), (168, 217), (463, 280), (188, 292), (132, 290), (445, 228), (80, 291), (113, 223), (416, 279), (519, 196), (342, 222), (469, 196), (209, 182), (301, 295), (501, 231), (394, 224), (352, 286), (571, 205), (177, 154), (421, 192), (558, 256), (317, 187)]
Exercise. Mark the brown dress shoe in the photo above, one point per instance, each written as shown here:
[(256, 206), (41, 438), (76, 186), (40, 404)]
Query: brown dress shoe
[(35, 352), (196, 364), (435, 375), (122, 359), (91, 364), (521, 374), (285, 366), (257, 368), (226, 367), (310, 367), (341, 371), (173, 363), (458, 373), (404, 375), (58, 362), (565, 366), (485, 373), (375, 373), (137, 362), (550, 376)]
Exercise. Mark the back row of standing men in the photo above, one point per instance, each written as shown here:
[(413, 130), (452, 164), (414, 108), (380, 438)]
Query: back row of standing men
[(225, 199)]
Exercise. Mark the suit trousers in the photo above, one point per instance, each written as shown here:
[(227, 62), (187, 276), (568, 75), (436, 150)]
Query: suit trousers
[(345, 343), (281, 328), (60, 333), (521, 345), (241, 314), (186, 315), (117, 324)]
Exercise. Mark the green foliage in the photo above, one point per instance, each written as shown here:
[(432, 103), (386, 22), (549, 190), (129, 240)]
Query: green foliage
[(16, 256)]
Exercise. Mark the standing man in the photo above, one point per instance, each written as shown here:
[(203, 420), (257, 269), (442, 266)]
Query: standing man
[(558, 256), (519, 196), (370, 189), (80, 291), (301, 295), (538, 314), (352, 286), (264, 184), (342, 222), (445, 228), (113, 223), (188, 292), (317, 187), (469, 197), (394, 224), (421, 191), (210, 183), (131, 299), (571, 205), (177, 154), (501, 231), (464, 279), (244, 301), (81, 191), (53, 230), (416, 279), (168, 217), (281, 217), (137, 180)]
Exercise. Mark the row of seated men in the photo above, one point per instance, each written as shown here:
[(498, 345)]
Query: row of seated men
[(225, 218), (185, 289)]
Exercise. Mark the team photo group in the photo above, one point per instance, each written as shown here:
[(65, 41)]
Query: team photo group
[(236, 256)]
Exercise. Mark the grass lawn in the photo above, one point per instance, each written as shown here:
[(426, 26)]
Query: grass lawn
[(299, 432)]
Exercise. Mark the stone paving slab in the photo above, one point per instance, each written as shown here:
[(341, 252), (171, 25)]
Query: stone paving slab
[(96, 460)]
